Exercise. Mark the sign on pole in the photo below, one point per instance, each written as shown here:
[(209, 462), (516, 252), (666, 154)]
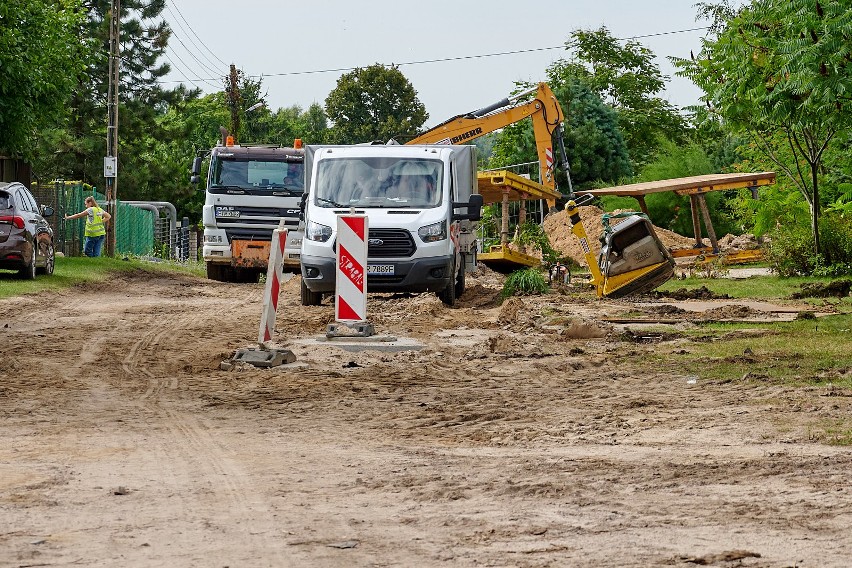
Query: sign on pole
[(274, 273), (350, 298)]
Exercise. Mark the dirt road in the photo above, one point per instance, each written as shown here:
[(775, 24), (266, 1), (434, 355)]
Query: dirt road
[(519, 435)]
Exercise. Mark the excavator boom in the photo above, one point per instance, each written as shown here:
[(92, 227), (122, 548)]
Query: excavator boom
[(546, 114)]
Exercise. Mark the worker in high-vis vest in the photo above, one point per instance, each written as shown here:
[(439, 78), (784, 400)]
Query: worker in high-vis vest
[(96, 219)]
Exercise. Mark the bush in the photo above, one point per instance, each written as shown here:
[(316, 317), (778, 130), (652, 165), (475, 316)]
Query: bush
[(790, 252), (526, 282), (835, 233)]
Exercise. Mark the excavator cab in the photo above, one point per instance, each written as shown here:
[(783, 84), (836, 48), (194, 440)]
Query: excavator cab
[(632, 258)]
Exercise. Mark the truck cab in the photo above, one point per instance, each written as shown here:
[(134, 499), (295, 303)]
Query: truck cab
[(421, 203), (249, 190)]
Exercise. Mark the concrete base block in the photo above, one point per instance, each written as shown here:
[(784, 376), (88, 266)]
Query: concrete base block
[(264, 357)]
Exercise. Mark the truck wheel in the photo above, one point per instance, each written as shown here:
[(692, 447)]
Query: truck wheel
[(246, 275), (448, 294), (216, 272), (310, 298)]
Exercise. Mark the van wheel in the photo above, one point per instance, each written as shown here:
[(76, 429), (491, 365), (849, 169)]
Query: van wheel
[(310, 298), (460, 279), (448, 294)]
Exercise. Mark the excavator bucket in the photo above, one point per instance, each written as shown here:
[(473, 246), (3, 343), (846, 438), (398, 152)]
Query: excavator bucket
[(633, 260)]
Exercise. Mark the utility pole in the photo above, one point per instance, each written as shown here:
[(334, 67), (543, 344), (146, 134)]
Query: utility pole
[(111, 159)]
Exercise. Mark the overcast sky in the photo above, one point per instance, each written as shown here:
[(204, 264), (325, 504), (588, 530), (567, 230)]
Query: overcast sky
[(302, 48)]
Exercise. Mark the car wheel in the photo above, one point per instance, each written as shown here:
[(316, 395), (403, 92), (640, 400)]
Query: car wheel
[(29, 272), (49, 261)]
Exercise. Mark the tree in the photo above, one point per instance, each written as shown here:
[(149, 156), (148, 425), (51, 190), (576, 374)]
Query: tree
[(628, 80), (373, 103), (76, 151), (41, 58), (781, 66)]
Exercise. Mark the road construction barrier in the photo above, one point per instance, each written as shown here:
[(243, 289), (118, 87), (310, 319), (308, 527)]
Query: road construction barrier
[(274, 273), (350, 298)]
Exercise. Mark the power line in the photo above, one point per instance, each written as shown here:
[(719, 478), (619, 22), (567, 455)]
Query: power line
[(191, 54), (459, 58), (179, 70), (198, 38), (194, 45)]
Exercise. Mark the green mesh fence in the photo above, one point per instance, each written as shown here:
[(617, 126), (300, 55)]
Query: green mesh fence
[(134, 230)]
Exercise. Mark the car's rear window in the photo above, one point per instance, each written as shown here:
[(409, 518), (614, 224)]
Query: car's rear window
[(5, 200)]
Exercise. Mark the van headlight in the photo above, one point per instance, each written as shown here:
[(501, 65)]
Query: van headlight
[(433, 232), (317, 232)]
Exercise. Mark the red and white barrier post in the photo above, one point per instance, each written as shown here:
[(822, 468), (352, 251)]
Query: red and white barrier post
[(350, 296), (274, 273)]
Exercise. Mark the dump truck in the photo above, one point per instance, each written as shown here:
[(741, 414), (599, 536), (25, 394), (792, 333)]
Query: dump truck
[(249, 190)]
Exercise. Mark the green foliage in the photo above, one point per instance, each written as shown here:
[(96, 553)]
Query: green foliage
[(781, 66), (836, 231), (373, 103), (595, 148), (526, 282), (672, 211), (625, 76), (42, 56), (532, 235), (790, 252)]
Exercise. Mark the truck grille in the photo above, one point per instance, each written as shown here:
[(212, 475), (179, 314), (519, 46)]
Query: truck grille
[(248, 234), (395, 243), (257, 223)]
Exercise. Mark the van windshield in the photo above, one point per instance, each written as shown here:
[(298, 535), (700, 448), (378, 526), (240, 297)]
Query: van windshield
[(262, 177), (379, 182)]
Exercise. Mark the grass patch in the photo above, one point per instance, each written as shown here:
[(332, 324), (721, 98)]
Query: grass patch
[(798, 353), (836, 432), (70, 271), (757, 287)]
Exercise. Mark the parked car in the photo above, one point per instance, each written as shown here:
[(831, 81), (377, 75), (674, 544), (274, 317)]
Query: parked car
[(26, 239)]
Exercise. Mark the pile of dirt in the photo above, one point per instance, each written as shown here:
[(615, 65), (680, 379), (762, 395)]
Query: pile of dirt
[(834, 289), (558, 230), (732, 312), (735, 243), (700, 293)]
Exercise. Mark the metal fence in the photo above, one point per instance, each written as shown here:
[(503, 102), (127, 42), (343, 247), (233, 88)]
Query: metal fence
[(142, 228)]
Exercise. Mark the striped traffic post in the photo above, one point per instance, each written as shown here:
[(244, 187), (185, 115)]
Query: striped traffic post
[(274, 273), (350, 297)]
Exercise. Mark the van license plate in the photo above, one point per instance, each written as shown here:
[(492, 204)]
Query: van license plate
[(380, 269)]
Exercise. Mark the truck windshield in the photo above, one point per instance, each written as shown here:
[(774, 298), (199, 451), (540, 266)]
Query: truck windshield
[(379, 182), (229, 175)]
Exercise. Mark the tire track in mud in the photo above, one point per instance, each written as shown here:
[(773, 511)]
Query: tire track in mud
[(186, 446)]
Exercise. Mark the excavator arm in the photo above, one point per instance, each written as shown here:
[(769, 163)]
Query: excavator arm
[(546, 114)]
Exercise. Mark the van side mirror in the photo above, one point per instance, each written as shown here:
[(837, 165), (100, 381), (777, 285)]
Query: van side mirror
[(474, 209), (47, 211)]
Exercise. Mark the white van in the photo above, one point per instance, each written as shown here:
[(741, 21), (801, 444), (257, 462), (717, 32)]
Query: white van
[(421, 202)]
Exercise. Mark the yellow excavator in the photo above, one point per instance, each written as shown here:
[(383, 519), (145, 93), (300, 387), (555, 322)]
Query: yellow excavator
[(632, 259), (544, 110)]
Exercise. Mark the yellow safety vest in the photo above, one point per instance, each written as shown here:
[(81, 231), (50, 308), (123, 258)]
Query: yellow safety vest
[(95, 223)]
